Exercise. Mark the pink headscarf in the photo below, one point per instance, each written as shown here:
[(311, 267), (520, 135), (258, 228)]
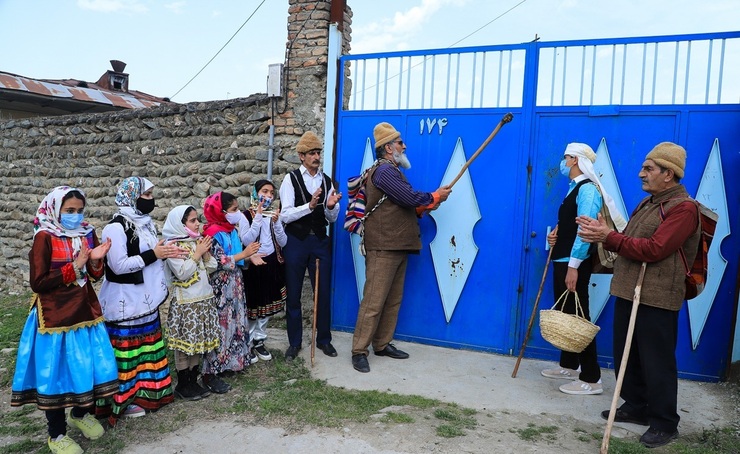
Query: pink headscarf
[(215, 217)]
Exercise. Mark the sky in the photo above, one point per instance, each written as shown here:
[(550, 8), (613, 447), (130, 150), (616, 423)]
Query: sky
[(166, 43)]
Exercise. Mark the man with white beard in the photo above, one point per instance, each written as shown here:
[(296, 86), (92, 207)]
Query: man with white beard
[(391, 233)]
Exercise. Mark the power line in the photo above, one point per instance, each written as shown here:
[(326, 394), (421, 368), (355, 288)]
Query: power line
[(456, 42), (219, 51), (487, 24)]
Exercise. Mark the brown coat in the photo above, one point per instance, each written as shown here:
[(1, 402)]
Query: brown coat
[(663, 286), (390, 227)]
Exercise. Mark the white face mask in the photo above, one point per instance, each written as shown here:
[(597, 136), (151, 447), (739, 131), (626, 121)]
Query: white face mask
[(234, 217)]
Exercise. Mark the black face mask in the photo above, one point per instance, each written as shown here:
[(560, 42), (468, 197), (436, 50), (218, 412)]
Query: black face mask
[(146, 206)]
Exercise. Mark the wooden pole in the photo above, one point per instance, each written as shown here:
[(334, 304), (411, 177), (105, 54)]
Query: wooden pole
[(506, 119), (623, 364), (534, 313), (315, 307)]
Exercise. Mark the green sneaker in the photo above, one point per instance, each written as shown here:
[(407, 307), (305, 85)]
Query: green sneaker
[(64, 445), (88, 425)]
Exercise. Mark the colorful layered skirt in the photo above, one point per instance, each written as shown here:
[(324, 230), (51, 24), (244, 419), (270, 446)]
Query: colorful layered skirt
[(63, 369), (143, 373)]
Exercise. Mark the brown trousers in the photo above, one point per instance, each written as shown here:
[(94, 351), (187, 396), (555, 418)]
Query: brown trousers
[(385, 273)]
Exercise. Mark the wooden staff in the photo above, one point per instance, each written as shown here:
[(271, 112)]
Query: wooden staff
[(506, 119), (623, 365), (315, 306), (534, 313)]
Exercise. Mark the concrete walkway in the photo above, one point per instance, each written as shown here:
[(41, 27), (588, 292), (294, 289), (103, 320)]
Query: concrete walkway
[(483, 381)]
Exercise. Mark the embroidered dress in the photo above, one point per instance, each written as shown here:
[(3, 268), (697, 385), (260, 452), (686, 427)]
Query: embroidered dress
[(228, 288), (192, 323), (64, 358), (133, 289)]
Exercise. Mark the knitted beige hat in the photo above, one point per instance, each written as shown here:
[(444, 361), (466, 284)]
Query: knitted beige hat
[(384, 133), (670, 156), (308, 141)]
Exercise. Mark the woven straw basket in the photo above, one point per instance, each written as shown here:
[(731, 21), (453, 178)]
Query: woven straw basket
[(568, 332)]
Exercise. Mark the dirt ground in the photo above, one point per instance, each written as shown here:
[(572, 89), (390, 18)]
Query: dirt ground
[(523, 415)]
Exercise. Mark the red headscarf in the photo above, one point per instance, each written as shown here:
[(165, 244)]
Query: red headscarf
[(215, 217)]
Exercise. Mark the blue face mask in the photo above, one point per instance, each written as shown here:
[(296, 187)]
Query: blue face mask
[(565, 170), (71, 221)]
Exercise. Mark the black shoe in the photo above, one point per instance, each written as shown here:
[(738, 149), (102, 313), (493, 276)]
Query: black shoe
[(291, 353), (185, 388), (328, 349), (623, 416), (202, 390), (215, 384), (359, 362), (653, 438), (391, 351)]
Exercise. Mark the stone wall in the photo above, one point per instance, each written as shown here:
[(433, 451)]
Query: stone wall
[(187, 150)]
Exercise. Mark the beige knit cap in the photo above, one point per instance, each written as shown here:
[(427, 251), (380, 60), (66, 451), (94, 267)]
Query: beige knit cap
[(308, 141), (670, 156), (384, 133)]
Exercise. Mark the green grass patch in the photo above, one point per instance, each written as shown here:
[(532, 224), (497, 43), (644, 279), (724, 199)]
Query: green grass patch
[(21, 422), (534, 432), (13, 314), (449, 431), (456, 420), (24, 447), (709, 441)]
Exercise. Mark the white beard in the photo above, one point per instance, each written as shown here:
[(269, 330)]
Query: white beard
[(402, 160)]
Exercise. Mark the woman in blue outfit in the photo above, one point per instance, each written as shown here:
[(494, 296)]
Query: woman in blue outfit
[(65, 358)]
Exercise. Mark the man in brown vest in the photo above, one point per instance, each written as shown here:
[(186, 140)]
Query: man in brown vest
[(663, 223), (391, 233)]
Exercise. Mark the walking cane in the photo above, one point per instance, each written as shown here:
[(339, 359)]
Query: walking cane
[(534, 313), (315, 306), (625, 356)]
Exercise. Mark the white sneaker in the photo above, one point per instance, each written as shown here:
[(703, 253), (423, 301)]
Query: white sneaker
[(582, 388), (561, 372), (261, 351), (250, 359)]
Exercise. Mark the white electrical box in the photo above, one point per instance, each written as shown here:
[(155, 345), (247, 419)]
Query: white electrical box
[(275, 80)]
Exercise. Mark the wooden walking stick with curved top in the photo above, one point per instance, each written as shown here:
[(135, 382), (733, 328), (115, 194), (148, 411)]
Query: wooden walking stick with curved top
[(534, 313), (315, 306), (623, 364)]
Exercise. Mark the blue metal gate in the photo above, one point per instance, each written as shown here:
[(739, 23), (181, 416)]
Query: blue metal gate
[(475, 281)]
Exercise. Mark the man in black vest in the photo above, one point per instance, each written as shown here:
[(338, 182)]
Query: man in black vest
[(572, 265), (308, 204)]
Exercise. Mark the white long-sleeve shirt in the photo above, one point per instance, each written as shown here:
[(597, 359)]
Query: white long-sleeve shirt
[(260, 230), (289, 212)]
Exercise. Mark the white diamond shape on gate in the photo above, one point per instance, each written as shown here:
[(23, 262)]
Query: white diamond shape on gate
[(453, 248), (712, 194), (598, 290)]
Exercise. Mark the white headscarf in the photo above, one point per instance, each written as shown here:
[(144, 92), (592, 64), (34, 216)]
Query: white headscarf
[(586, 164), (174, 229)]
